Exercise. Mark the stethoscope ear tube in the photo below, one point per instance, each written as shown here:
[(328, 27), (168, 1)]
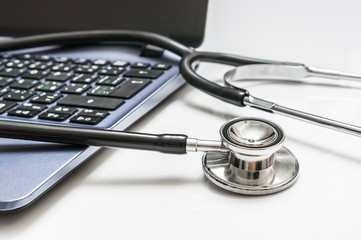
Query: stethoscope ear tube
[(227, 94), (230, 95)]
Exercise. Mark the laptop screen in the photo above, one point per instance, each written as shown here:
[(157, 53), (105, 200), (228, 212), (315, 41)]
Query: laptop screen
[(182, 20)]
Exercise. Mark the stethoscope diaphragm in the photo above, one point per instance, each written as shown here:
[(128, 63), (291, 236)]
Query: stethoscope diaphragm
[(257, 164)]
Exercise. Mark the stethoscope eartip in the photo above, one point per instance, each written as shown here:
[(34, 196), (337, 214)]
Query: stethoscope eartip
[(256, 163)]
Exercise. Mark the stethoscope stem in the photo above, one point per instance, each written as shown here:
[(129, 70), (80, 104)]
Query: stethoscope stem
[(300, 115), (198, 145), (167, 143)]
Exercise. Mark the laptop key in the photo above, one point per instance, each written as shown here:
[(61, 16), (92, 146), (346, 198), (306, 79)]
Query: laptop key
[(86, 69), (12, 72), (141, 73), (34, 74), (40, 65), (58, 76), (93, 113), (115, 71), (110, 81), (84, 78), (24, 84), (43, 58), (65, 110), (46, 98), (86, 120), (4, 81), (101, 91), (4, 91), (54, 116), (161, 66), (75, 88), (119, 63), (130, 88), (23, 113), (17, 63), (140, 65), (91, 102), (50, 86), (63, 67), (19, 95), (6, 105), (32, 106)]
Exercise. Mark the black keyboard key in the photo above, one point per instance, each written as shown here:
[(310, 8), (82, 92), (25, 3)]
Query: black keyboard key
[(6, 105), (40, 65), (50, 86), (161, 66), (62, 59), (46, 98), (24, 84), (23, 113), (11, 72), (3, 61), (143, 73), (86, 69), (114, 71), (82, 61), (120, 63), (54, 116), (75, 88), (65, 110), (43, 58), (4, 81), (58, 76), (140, 65), (86, 120), (63, 67), (24, 56), (18, 95), (32, 106), (84, 78), (110, 81), (91, 102), (34, 74), (93, 113), (4, 91), (100, 62), (130, 88), (101, 91), (17, 63)]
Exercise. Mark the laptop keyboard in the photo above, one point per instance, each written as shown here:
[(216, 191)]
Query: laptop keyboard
[(80, 90)]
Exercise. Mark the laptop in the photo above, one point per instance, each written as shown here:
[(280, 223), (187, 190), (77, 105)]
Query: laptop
[(106, 86)]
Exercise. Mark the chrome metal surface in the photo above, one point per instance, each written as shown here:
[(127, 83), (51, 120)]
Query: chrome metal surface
[(252, 133), (256, 163), (198, 145), (304, 116), (281, 175), (235, 76), (252, 141), (329, 73)]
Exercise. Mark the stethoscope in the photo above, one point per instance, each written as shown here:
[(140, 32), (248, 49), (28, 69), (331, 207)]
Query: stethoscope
[(250, 158)]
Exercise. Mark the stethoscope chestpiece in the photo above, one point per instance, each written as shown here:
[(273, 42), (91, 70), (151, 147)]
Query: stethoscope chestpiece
[(257, 163)]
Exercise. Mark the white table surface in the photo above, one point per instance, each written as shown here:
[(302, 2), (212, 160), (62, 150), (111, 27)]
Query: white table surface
[(128, 194)]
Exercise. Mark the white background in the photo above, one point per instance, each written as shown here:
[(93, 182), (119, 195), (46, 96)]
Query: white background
[(128, 194)]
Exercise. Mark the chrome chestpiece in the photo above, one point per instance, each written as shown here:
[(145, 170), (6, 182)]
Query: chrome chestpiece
[(257, 163)]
